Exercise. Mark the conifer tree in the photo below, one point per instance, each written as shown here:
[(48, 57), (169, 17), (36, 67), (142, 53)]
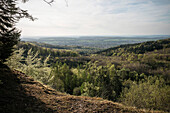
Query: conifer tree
[(10, 14), (14, 61)]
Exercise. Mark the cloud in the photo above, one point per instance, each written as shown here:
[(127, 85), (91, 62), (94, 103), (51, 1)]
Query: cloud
[(97, 17)]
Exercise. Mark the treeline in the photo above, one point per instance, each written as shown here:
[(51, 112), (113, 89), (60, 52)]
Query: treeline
[(139, 48), (70, 57), (79, 49), (44, 52)]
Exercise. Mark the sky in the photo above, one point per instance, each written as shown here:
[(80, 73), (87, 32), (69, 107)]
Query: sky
[(96, 17)]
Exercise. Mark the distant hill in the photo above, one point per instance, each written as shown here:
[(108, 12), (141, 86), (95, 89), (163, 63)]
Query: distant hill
[(57, 53), (44, 51), (138, 48), (76, 49), (151, 58), (101, 42)]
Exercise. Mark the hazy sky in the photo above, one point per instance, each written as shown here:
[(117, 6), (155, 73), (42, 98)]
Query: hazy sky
[(97, 17)]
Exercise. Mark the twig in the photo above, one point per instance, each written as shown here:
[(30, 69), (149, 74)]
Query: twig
[(49, 2)]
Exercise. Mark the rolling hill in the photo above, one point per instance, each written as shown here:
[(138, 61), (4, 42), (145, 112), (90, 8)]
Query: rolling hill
[(138, 48)]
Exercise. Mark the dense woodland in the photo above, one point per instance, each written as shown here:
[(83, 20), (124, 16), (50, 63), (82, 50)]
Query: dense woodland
[(83, 50), (121, 74)]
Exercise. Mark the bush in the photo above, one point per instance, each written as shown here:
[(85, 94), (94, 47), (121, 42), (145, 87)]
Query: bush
[(77, 91), (151, 94)]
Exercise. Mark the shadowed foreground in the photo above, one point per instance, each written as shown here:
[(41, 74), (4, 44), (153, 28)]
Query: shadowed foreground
[(21, 94)]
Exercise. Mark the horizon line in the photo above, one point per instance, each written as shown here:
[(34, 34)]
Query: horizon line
[(91, 36)]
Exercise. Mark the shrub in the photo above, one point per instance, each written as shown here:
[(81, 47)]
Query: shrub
[(77, 91), (151, 94)]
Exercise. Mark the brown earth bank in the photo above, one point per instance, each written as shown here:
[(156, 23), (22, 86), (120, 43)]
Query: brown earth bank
[(19, 93)]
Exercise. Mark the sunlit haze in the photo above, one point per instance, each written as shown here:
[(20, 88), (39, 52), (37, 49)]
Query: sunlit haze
[(96, 17)]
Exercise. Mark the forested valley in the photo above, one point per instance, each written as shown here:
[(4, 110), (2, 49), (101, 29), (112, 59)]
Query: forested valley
[(85, 74), (133, 74)]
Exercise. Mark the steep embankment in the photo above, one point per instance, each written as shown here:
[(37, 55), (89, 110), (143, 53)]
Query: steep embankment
[(21, 94)]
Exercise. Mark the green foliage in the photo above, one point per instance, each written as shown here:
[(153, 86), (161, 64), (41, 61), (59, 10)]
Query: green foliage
[(141, 70), (30, 65), (88, 89), (150, 58), (63, 75), (14, 61), (35, 67), (77, 91), (90, 81), (152, 93), (139, 80)]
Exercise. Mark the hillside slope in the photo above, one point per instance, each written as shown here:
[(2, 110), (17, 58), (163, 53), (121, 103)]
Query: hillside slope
[(21, 94), (138, 48)]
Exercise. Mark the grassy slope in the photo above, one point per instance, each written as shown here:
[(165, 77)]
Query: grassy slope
[(21, 94)]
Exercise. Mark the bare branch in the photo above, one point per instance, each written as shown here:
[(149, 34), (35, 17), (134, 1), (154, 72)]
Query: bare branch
[(49, 2)]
